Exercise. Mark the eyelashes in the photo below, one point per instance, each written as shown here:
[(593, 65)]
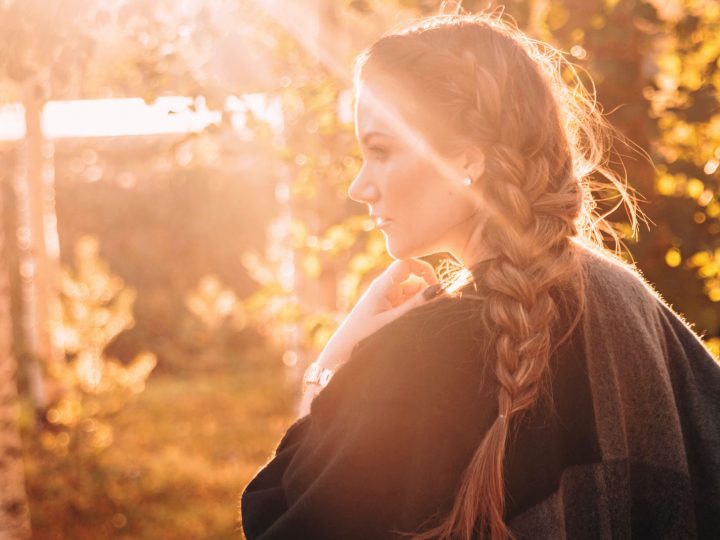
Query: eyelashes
[(378, 152)]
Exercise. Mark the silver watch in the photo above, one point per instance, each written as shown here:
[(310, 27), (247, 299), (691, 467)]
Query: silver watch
[(314, 374)]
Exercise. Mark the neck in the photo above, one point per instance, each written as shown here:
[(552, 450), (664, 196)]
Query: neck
[(474, 251)]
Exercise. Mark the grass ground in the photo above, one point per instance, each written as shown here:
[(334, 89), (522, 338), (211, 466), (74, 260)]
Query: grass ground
[(182, 452)]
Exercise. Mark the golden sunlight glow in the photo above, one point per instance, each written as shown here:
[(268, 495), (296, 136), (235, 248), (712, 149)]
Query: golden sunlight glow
[(113, 117), (200, 192), (132, 116)]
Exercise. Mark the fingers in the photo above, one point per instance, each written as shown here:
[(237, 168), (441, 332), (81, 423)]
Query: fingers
[(411, 301), (404, 278), (402, 269), (425, 270), (412, 287)]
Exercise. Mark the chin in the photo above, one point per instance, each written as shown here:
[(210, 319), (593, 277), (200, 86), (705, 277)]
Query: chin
[(394, 249), (398, 251)]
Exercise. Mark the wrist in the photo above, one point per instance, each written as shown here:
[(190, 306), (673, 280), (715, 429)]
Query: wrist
[(334, 354), (316, 377), (318, 373)]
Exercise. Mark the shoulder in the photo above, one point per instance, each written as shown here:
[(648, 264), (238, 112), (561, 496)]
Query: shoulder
[(614, 278), (631, 329), (440, 320), (618, 289), (428, 352)]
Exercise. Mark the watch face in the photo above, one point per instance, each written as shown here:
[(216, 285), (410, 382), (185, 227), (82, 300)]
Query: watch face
[(312, 373), (325, 376), (316, 375)]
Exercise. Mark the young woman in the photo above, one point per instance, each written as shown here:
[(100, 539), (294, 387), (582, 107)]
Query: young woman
[(549, 391)]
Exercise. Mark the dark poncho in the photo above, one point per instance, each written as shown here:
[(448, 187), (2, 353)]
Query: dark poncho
[(629, 445)]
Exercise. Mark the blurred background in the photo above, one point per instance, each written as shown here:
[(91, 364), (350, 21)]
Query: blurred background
[(177, 243)]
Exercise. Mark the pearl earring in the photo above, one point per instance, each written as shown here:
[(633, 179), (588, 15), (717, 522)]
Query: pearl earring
[(467, 180)]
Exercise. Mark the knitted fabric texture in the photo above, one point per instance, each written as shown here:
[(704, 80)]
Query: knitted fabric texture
[(628, 446)]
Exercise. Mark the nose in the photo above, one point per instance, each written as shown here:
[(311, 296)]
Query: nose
[(362, 190)]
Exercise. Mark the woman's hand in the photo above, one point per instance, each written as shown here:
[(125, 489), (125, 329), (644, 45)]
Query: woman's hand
[(394, 292)]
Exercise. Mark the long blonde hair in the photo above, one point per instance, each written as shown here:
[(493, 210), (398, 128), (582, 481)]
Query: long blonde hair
[(546, 146)]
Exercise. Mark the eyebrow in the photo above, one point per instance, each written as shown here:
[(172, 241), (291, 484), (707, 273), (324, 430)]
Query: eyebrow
[(367, 136)]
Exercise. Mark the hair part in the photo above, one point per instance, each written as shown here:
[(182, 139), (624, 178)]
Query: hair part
[(487, 84)]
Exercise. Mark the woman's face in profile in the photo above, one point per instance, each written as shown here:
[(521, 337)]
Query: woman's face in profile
[(404, 180)]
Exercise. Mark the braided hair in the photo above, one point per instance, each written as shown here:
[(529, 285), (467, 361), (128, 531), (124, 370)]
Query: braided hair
[(488, 84)]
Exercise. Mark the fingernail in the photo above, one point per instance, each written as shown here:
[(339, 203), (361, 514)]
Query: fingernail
[(432, 291)]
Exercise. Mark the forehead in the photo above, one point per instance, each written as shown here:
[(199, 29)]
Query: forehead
[(376, 109), (383, 105)]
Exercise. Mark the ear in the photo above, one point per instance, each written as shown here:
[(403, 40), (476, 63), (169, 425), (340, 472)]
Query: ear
[(475, 163)]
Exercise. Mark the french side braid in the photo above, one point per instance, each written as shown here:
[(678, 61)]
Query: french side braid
[(542, 138)]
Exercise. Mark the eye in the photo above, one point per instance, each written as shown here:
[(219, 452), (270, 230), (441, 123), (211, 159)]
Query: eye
[(379, 152)]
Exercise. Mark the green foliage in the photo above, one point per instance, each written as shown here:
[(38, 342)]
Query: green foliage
[(76, 429), (96, 307), (330, 243), (656, 68), (685, 104), (212, 303), (103, 48), (49, 42), (181, 454)]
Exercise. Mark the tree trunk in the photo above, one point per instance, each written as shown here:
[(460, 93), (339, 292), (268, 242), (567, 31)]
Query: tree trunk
[(14, 515), (39, 252)]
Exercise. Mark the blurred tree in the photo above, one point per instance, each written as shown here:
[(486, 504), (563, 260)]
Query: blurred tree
[(655, 68), (684, 99), (38, 55), (318, 255), (14, 515), (38, 249), (97, 307), (97, 48)]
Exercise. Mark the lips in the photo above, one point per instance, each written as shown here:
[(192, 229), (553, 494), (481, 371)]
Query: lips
[(382, 222)]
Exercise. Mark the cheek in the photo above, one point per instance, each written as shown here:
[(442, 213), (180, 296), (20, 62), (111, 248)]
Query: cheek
[(410, 186), (421, 202)]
